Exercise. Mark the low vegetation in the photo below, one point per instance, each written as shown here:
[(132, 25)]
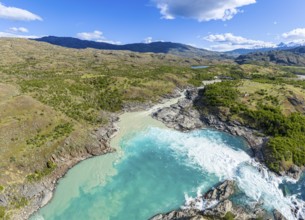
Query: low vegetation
[(38, 175), (51, 96), (266, 106), (2, 212)]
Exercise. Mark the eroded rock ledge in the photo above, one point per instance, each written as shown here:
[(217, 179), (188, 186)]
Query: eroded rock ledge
[(184, 116), (217, 206), (40, 193)]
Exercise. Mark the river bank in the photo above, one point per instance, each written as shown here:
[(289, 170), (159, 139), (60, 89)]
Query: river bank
[(217, 204), (104, 140), (185, 117), (128, 123), (40, 193)]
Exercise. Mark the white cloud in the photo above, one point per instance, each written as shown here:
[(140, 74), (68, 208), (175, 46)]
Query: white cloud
[(228, 41), (10, 35), (97, 36), (148, 40), (201, 10), (294, 37), (296, 34), (13, 13), (19, 29)]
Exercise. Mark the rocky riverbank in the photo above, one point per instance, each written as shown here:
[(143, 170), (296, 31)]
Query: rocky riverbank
[(184, 116), (217, 204), (38, 194)]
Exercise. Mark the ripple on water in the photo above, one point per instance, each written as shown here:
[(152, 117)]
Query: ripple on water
[(158, 168)]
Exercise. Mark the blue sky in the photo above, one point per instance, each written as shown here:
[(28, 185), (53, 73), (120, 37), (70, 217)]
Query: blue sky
[(213, 24)]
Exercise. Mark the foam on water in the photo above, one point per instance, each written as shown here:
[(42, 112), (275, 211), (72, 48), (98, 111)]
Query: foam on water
[(161, 169), (216, 157)]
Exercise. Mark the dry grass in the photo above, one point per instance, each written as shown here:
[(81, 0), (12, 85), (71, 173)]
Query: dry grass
[(255, 93), (22, 118), (43, 86)]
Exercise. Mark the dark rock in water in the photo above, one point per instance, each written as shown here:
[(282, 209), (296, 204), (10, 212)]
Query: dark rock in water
[(222, 205), (278, 216), (222, 192), (179, 215), (221, 209)]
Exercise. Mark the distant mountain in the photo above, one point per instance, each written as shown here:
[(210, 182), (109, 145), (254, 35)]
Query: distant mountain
[(290, 57), (155, 47), (298, 50), (281, 46), (238, 52)]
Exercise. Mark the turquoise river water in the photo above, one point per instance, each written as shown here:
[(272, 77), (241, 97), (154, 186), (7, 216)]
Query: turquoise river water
[(157, 170)]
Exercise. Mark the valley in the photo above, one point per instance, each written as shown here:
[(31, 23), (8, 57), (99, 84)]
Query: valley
[(59, 106)]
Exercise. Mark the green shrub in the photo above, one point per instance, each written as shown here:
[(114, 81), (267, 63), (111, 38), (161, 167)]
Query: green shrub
[(38, 175), (287, 142), (20, 202), (229, 216), (221, 94), (2, 212)]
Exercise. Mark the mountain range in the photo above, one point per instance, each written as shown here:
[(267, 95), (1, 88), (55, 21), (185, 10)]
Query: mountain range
[(154, 47), (287, 57), (280, 46), (283, 54)]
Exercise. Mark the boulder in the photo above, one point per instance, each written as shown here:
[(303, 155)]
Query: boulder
[(278, 216), (3, 200), (222, 192)]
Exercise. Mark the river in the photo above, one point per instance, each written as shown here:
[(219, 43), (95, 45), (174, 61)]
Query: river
[(156, 169)]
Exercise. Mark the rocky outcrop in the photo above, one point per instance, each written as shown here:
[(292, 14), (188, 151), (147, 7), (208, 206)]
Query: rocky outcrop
[(218, 205), (298, 103), (184, 116), (3, 201), (180, 116), (294, 172), (256, 142), (278, 216), (179, 215), (222, 192), (290, 58), (40, 193)]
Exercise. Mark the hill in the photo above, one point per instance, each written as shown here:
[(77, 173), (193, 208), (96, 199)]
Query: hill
[(57, 107), (238, 52), (155, 47), (290, 57), (280, 47)]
